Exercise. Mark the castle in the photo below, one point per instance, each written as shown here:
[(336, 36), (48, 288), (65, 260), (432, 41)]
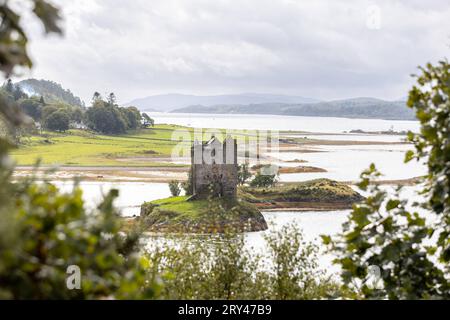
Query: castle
[(214, 168)]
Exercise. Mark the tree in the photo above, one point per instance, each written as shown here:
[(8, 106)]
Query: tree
[(52, 231), (31, 107), (47, 110), (96, 97), (44, 231), (57, 121), (263, 180), (430, 99), (243, 173), (14, 39), (188, 186), (132, 117), (111, 99), (106, 119), (18, 93), (9, 86), (390, 233), (148, 122), (229, 269), (266, 177), (174, 187), (76, 115)]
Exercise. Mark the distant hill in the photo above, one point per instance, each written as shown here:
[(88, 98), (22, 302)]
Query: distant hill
[(370, 108), (169, 102), (50, 90)]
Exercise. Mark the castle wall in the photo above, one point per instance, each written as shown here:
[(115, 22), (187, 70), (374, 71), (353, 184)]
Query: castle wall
[(206, 174), (212, 164)]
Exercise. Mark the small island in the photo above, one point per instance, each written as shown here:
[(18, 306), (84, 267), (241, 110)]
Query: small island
[(317, 195), (181, 214)]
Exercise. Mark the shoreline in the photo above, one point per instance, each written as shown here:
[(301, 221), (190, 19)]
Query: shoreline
[(152, 174)]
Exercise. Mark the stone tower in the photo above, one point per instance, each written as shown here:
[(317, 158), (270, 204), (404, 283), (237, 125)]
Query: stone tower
[(214, 168)]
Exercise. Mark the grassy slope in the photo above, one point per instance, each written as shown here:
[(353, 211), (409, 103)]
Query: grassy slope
[(83, 148), (319, 190), (178, 214), (77, 147)]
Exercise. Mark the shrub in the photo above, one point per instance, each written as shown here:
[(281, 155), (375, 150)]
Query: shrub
[(174, 187), (45, 231), (263, 181), (187, 185), (243, 173), (225, 268)]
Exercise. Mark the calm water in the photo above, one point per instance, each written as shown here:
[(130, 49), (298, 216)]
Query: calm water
[(272, 122), (352, 137), (345, 163), (131, 194), (312, 223)]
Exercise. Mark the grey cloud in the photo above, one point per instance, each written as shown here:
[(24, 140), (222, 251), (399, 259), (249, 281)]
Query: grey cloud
[(321, 49)]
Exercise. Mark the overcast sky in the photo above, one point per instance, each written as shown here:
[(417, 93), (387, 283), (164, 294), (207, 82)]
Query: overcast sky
[(319, 49)]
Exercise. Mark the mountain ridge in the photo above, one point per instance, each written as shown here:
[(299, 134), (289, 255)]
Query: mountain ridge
[(172, 101), (360, 107)]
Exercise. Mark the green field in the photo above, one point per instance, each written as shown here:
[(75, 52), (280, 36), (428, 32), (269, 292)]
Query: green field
[(84, 148), (145, 147)]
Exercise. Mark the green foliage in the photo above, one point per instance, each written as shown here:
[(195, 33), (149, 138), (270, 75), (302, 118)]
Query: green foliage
[(430, 99), (9, 86), (47, 110), (32, 107), (76, 115), (18, 93), (57, 121), (50, 231), (13, 40), (174, 187), (13, 52), (312, 191), (105, 119), (224, 267), (108, 118), (184, 214), (382, 232), (132, 117), (243, 173), (148, 122), (294, 272), (263, 180), (43, 231), (187, 185), (405, 239), (51, 92)]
